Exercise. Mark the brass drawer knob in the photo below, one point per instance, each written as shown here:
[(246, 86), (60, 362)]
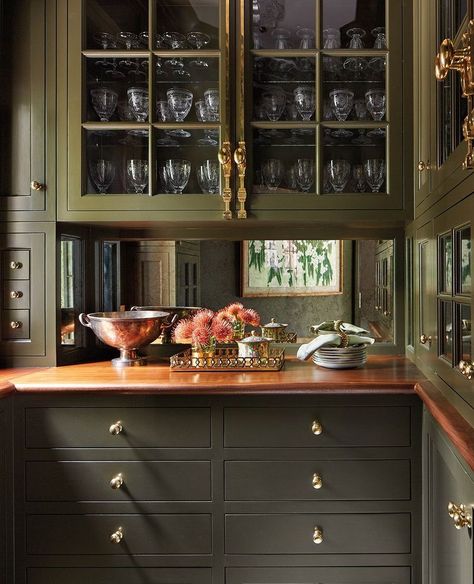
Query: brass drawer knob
[(422, 166), (116, 428), (37, 186), (16, 294), (317, 481), (16, 265), (318, 535), (316, 428), (425, 339), (117, 482), (460, 515), (16, 324), (117, 536), (466, 368)]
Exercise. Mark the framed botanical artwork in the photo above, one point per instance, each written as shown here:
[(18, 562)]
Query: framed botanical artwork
[(309, 267)]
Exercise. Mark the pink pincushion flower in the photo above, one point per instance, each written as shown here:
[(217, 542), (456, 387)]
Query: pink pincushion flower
[(234, 309), (201, 336), (222, 316), (222, 331), (203, 318), (251, 317), (183, 330)]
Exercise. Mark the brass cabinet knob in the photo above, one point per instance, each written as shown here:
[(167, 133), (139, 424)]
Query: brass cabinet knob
[(16, 324), (460, 515), (424, 339), (116, 428), (117, 536), (466, 368), (316, 428), (387, 313), (317, 481), (318, 535), (117, 482), (422, 166), (16, 294), (16, 265), (37, 186)]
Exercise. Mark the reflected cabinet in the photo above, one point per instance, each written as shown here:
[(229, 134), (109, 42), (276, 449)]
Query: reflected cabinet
[(209, 108)]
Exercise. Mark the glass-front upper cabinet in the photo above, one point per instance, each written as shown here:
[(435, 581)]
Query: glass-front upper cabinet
[(146, 110)]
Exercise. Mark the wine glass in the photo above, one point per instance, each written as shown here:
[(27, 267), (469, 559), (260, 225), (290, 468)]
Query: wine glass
[(163, 112), (212, 99), (305, 101), (128, 39), (203, 115), (138, 100), (137, 174), (164, 179), (356, 64), (104, 102), (208, 175), (380, 38), (291, 178), (177, 172), (105, 40), (272, 172), (306, 36), (305, 173), (375, 101), (198, 40), (331, 38), (374, 170), (274, 102), (102, 174), (341, 101), (339, 172), (175, 40), (358, 175), (180, 102), (281, 38)]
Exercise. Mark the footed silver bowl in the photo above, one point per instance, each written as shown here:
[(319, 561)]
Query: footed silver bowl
[(176, 313), (127, 331)]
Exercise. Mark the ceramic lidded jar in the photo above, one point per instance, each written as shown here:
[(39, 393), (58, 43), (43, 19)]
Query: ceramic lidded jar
[(273, 330), (254, 346)]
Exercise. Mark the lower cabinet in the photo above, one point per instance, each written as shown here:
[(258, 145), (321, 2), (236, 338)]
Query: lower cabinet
[(180, 490)]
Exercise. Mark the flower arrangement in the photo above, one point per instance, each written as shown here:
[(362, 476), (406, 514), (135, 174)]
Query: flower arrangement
[(239, 316)]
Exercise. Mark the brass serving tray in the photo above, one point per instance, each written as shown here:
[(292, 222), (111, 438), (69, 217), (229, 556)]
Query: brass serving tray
[(227, 359)]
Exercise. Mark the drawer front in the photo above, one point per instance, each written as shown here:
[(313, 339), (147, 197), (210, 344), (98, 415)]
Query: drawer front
[(141, 428), (346, 575), (16, 264), (16, 294), (15, 325), (119, 481), (347, 533), (119, 575), (340, 426), (142, 534), (318, 480)]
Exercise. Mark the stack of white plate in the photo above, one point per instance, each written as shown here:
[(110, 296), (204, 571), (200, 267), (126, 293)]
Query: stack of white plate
[(341, 358)]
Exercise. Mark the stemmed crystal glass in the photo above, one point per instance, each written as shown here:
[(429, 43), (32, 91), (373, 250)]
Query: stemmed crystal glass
[(203, 115), (375, 101), (177, 173), (339, 172), (104, 102), (211, 98), (208, 175), (341, 101), (128, 39), (359, 177), (125, 112), (305, 101), (274, 103), (305, 173), (272, 172), (198, 40), (176, 41), (180, 102), (102, 174), (105, 40), (137, 174), (163, 112), (281, 38), (356, 64), (380, 38), (138, 100), (331, 40), (306, 36), (374, 170), (291, 178)]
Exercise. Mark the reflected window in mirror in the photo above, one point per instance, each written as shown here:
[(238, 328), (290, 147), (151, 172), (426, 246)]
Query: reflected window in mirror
[(71, 289)]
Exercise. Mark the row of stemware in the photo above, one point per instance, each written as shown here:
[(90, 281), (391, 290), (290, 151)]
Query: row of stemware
[(166, 40)]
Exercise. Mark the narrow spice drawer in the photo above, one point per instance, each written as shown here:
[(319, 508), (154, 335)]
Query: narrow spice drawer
[(133, 534), (16, 264), (118, 427), (341, 575), (345, 533), (120, 575), (16, 294), (316, 426), (317, 480), (15, 325), (119, 481)]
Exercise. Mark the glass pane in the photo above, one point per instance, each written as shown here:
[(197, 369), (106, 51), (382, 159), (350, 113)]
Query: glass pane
[(464, 264), (284, 89), (445, 116), (446, 264), (424, 275), (465, 328), (187, 161), (112, 24), (446, 332), (279, 26), (116, 161), (357, 24), (354, 160), (68, 292), (193, 24), (460, 13), (111, 269), (284, 160), (409, 291)]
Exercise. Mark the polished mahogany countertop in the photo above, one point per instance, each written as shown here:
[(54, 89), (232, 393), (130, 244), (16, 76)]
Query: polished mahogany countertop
[(7, 375)]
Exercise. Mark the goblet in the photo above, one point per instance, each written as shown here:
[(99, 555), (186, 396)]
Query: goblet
[(178, 172), (281, 38), (305, 101), (159, 70), (203, 115), (175, 40), (104, 102), (102, 174), (339, 172), (144, 38), (306, 36), (164, 179), (375, 101), (291, 178), (198, 40), (305, 173), (211, 97), (128, 39), (356, 35), (274, 103), (331, 38), (163, 112), (105, 40), (180, 102), (341, 102), (138, 100), (208, 175), (374, 170), (359, 177), (272, 172), (380, 38), (137, 174)]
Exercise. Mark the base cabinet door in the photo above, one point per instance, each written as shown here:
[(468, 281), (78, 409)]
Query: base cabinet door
[(119, 575), (345, 575)]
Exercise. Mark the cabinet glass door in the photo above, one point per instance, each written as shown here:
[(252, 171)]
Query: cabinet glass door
[(148, 105), (321, 107)]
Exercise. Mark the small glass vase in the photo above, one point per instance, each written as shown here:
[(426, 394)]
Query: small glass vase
[(203, 356), (238, 328)]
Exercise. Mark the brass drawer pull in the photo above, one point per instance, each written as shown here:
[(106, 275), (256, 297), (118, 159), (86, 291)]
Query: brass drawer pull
[(460, 515), (117, 536), (37, 186), (117, 482), (317, 481), (316, 428), (16, 265), (318, 535), (425, 339), (116, 428), (16, 324), (16, 294)]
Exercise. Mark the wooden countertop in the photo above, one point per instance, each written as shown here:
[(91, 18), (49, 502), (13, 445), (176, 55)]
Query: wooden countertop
[(7, 375)]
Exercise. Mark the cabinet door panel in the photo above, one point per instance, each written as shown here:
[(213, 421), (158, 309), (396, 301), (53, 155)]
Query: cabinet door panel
[(120, 575)]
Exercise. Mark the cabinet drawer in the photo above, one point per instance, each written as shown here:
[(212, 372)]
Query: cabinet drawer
[(16, 264), (317, 480), (293, 427), (141, 427), (16, 294), (347, 533), (120, 575), (15, 324), (346, 575), (142, 534), (142, 481)]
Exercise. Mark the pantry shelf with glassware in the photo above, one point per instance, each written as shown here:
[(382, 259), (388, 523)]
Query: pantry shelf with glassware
[(200, 111)]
